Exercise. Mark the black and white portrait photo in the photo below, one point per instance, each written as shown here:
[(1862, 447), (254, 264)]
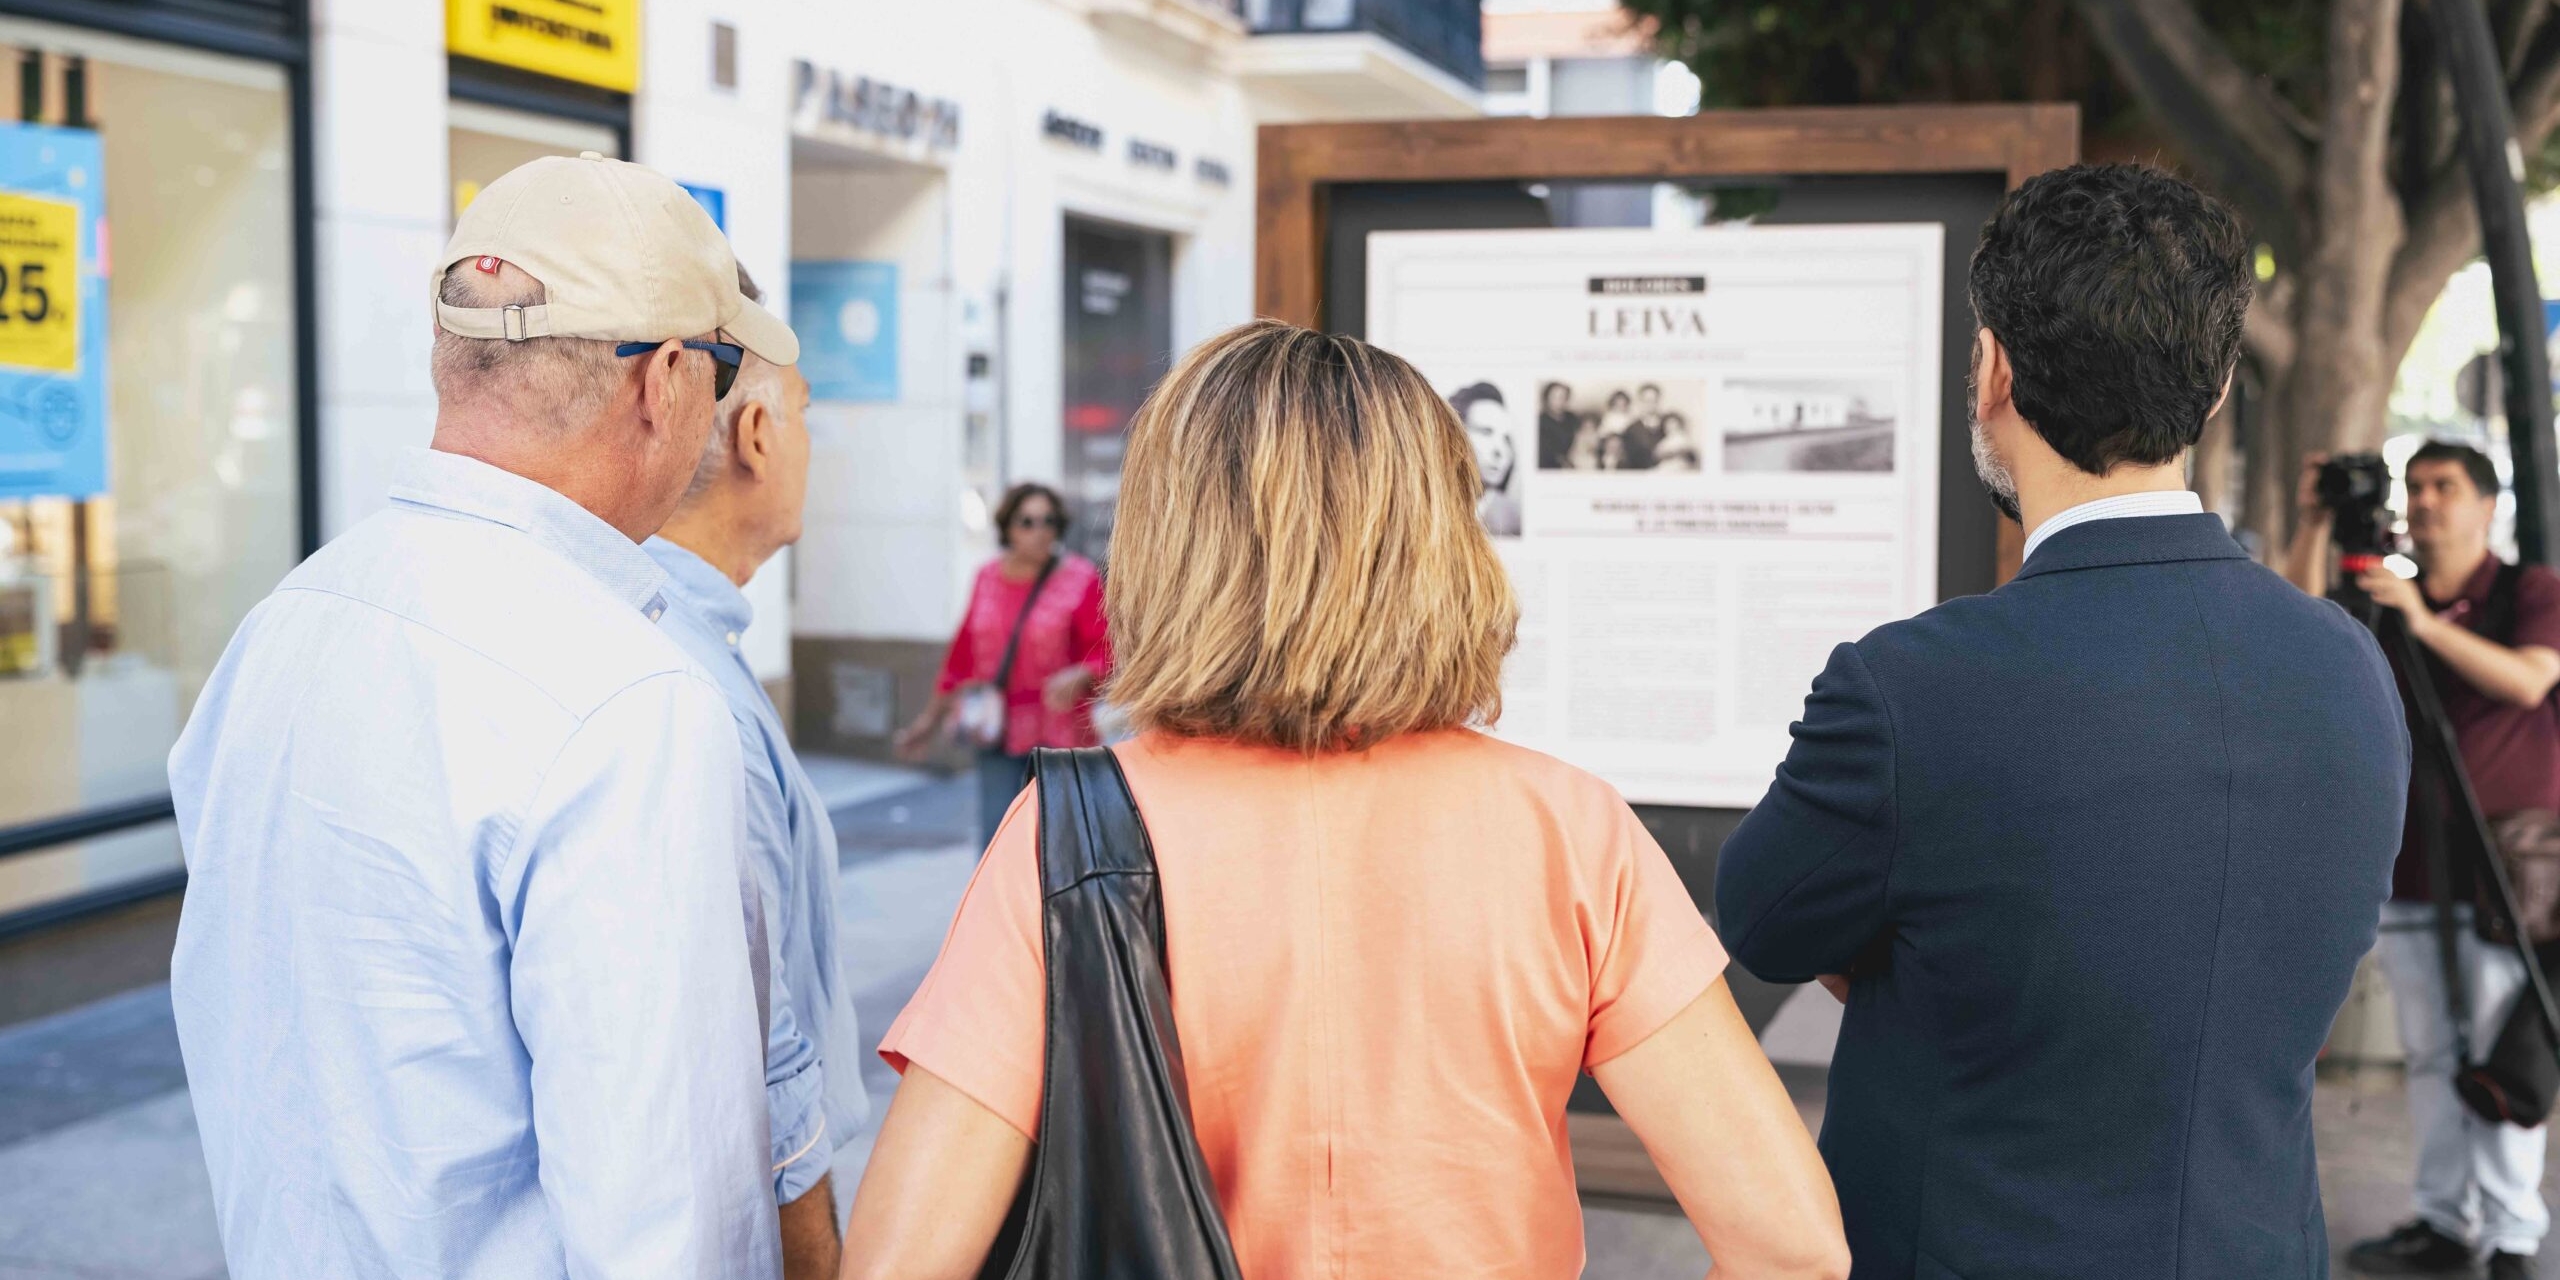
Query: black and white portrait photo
[(1645, 425), (1809, 424), (1488, 421)]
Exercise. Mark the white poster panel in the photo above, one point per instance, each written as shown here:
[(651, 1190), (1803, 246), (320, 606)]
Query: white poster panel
[(1709, 457)]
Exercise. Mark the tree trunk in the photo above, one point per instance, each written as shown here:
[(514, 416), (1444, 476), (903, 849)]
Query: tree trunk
[(2336, 394)]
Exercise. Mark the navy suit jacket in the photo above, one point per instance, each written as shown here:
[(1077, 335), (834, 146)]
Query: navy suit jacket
[(2101, 851)]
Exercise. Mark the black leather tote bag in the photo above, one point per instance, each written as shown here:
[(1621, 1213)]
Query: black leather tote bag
[(1117, 1189)]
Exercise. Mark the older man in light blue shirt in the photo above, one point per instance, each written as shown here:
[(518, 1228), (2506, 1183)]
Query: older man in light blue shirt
[(466, 979), (743, 505)]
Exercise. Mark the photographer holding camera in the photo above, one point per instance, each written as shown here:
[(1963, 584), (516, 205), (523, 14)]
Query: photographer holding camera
[(2491, 632)]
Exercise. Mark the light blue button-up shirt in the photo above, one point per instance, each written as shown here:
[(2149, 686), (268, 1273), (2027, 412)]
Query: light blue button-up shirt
[(813, 1076), (463, 979)]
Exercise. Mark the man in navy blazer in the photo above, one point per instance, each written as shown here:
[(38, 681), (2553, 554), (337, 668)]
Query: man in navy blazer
[(2091, 858)]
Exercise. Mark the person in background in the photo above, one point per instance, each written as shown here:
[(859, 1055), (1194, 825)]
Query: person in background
[(1584, 453), (1678, 450), (1394, 943), (2493, 635), (468, 973), (1480, 408), (1611, 454), (1644, 434), (1053, 598), (743, 505), (1558, 424), (2093, 858)]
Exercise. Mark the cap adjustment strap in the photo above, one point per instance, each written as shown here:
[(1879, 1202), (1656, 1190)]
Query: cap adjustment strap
[(513, 322)]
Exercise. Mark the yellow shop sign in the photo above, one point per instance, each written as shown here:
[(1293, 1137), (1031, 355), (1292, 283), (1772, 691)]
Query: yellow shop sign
[(593, 42)]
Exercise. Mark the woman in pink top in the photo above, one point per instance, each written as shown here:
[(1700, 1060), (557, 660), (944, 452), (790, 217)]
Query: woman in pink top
[(1393, 943), (1063, 654)]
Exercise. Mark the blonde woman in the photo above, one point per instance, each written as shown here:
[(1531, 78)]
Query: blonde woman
[(1393, 942)]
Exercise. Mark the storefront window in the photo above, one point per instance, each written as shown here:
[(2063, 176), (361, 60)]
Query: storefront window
[(489, 141), (116, 598), (1119, 341)]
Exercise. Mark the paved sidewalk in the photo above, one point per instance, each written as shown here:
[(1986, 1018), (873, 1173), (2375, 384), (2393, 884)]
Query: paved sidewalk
[(101, 1177)]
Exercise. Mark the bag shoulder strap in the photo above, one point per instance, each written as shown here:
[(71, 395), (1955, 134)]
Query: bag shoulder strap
[(2498, 617), (1089, 822), (1013, 642)]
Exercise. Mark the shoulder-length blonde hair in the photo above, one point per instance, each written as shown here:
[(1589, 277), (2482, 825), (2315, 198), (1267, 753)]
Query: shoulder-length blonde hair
[(1297, 560)]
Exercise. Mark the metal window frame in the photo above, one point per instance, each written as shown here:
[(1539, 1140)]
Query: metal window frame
[(290, 50)]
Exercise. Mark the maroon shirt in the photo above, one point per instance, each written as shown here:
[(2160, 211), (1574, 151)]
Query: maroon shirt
[(2511, 752)]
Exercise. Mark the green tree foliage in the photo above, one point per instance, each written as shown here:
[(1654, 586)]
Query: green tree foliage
[(2359, 197)]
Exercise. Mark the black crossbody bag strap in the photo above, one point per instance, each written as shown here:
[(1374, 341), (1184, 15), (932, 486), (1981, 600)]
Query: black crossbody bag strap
[(1013, 642), (1117, 1188)]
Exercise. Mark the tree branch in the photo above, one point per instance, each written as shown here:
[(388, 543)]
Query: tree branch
[(2267, 329), (2535, 99), (2442, 235), (2516, 23), (2443, 231), (2225, 119)]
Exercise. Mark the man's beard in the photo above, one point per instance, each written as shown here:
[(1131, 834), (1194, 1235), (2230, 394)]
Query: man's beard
[(1987, 466)]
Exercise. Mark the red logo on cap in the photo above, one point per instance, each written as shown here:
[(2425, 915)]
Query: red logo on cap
[(488, 265)]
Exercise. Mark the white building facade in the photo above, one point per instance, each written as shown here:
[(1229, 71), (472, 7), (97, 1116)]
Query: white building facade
[(994, 222)]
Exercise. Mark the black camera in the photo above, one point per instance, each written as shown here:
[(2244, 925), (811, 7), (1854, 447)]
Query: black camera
[(2356, 488)]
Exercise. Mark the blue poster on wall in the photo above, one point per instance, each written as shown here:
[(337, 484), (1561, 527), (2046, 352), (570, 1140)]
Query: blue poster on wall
[(53, 313), (713, 200), (846, 313)]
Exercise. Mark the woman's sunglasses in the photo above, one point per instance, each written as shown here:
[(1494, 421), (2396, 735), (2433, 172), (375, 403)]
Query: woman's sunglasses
[(1028, 523), (725, 359)]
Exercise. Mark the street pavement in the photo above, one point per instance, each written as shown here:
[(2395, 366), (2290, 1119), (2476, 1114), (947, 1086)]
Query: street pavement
[(101, 1177)]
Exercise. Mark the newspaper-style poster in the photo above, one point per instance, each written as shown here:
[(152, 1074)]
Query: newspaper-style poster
[(1709, 456)]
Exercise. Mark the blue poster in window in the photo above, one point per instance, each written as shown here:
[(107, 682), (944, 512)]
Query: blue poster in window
[(713, 200), (846, 314), (53, 313)]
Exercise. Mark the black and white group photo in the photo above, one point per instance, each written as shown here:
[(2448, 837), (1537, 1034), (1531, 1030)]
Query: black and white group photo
[(1594, 425)]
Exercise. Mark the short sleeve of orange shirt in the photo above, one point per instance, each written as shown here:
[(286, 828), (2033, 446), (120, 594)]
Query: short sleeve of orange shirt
[(1654, 953), (980, 1021), (1624, 938)]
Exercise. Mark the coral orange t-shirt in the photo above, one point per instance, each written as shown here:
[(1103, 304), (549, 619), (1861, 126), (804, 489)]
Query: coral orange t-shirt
[(1387, 969)]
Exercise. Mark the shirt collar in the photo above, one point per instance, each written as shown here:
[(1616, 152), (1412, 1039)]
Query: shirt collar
[(440, 481), (2476, 588), (704, 590), (2169, 502)]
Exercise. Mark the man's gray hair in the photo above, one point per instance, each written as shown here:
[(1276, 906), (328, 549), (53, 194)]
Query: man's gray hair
[(563, 380), (755, 383)]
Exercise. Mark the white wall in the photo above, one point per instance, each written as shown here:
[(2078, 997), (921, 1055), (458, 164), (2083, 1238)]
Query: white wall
[(889, 554), (697, 132), (1062, 61), (378, 149), (383, 194), (885, 478)]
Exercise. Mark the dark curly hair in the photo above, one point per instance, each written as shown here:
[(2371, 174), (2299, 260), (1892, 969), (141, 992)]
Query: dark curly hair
[(1011, 506), (2118, 292)]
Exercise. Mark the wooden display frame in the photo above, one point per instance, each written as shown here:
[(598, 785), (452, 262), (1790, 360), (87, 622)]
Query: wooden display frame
[(1296, 164)]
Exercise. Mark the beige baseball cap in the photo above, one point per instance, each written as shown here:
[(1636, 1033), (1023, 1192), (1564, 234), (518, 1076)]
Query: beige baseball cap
[(623, 254)]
